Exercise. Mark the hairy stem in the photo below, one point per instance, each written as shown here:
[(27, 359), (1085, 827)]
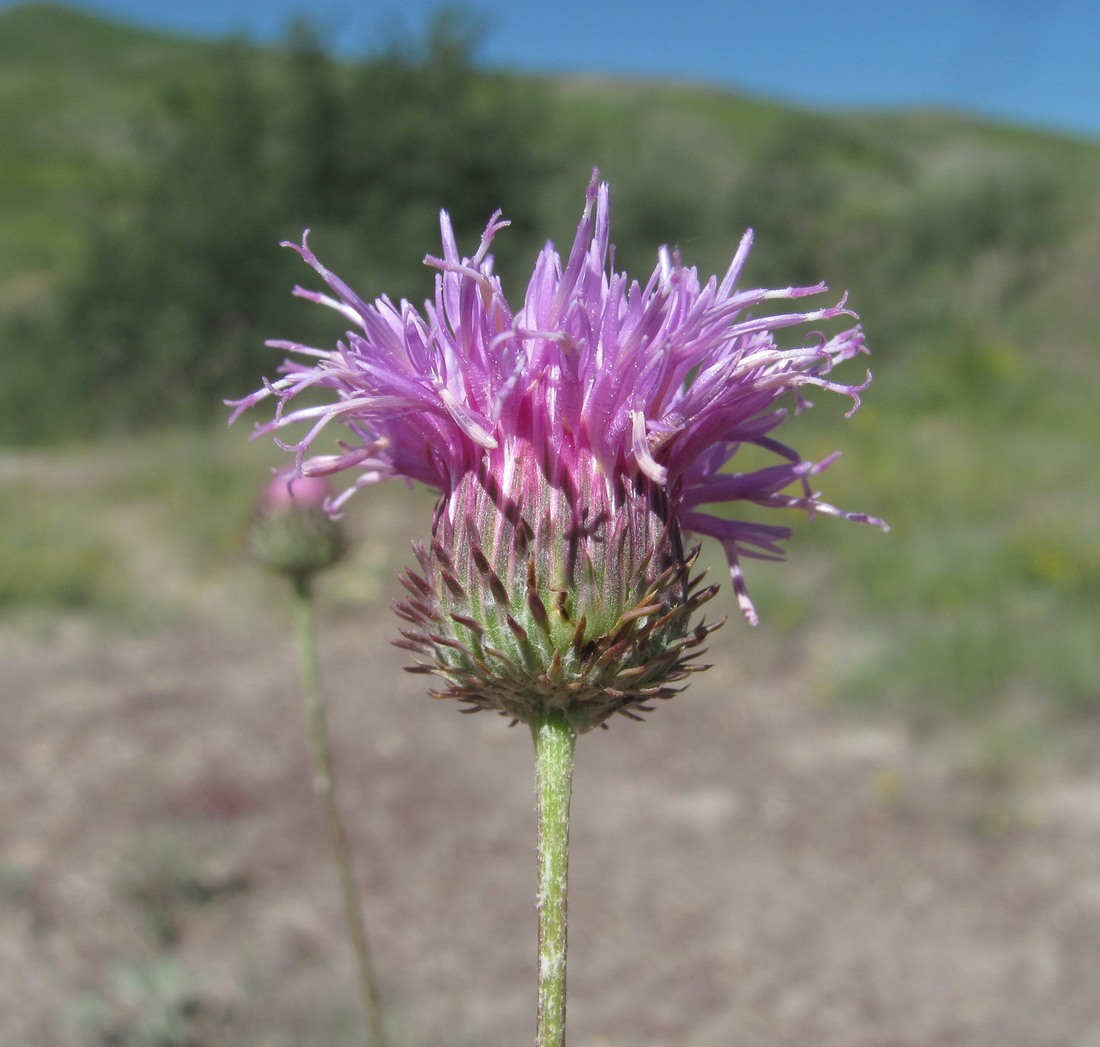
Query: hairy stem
[(555, 740), (324, 785)]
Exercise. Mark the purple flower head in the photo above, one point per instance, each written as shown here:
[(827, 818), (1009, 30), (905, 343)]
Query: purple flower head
[(572, 442)]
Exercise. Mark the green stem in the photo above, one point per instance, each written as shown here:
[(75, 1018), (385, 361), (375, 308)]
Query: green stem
[(555, 739), (325, 787)]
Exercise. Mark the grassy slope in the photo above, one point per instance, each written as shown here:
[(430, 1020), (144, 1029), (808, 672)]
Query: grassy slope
[(971, 251), (77, 98)]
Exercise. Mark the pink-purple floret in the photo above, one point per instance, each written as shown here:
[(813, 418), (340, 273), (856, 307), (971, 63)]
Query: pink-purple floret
[(664, 382)]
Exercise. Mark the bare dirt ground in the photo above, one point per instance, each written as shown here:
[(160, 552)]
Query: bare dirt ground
[(748, 867)]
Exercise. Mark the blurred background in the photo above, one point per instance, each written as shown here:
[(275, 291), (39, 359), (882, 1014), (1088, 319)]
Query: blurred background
[(941, 161)]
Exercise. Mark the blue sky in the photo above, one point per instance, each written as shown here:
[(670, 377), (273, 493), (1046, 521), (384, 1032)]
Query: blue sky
[(1026, 61)]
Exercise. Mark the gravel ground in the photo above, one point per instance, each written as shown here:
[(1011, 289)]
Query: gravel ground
[(749, 868)]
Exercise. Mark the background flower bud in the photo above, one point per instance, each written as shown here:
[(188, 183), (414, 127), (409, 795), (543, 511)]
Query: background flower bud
[(292, 532)]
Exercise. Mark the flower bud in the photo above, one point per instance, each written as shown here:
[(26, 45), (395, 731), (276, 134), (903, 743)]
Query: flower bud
[(292, 533)]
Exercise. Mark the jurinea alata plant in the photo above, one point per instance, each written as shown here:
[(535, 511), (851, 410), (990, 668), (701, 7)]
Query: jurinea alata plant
[(573, 441)]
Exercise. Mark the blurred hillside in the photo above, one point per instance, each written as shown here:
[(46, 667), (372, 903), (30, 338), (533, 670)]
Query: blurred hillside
[(146, 181)]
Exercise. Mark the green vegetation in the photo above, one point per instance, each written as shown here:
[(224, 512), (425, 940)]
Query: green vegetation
[(146, 182), (162, 307)]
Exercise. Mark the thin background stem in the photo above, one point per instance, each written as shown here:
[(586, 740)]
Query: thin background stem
[(555, 741), (325, 787)]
